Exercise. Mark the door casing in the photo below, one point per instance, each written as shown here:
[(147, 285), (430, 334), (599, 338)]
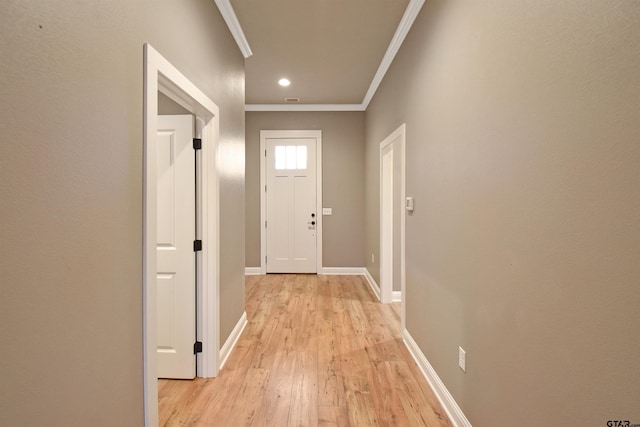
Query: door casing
[(396, 142), (387, 219), (161, 75), (284, 134)]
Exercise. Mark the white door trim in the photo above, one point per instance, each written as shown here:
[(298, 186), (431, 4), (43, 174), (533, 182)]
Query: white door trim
[(386, 223), (267, 134), (160, 75), (386, 289)]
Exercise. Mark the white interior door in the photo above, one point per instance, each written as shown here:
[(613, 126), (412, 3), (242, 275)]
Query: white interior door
[(292, 220), (176, 275)]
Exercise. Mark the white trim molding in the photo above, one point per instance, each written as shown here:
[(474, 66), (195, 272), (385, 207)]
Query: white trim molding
[(372, 283), (231, 342), (343, 271), (410, 15), (161, 76), (455, 414), (396, 296), (408, 18), (304, 107), (396, 141), (229, 16), (252, 271)]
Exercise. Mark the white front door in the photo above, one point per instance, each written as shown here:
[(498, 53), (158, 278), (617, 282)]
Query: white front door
[(176, 275), (292, 220)]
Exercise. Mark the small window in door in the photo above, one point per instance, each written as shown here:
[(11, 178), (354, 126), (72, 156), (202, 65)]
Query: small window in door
[(291, 157)]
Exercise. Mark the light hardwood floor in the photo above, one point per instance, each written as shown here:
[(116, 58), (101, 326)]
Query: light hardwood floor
[(317, 351)]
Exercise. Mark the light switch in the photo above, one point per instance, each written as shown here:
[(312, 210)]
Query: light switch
[(408, 204), (327, 211)]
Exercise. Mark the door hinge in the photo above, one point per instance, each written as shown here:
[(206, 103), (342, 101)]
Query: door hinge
[(265, 153), (197, 347), (197, 245), (265, 188), (265, 259), (197, 143), (265, 224)]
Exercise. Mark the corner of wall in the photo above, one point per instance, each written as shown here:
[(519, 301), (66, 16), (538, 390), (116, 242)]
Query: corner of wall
[(231, 342), (372, 283)]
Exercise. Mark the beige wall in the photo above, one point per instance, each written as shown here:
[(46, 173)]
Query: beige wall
[(523, 154), (167, 106), (343, 181), (71, 188)]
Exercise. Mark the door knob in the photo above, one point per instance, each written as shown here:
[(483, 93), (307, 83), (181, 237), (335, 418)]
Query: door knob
[(313, 223), (313, 215)]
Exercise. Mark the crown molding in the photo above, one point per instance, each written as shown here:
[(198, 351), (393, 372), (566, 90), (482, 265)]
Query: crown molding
[(410, 14), (229, 15), (304, 107)]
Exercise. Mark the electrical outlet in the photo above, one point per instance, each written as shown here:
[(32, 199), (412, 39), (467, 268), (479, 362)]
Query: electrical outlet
[(373, 258), (462, 359)]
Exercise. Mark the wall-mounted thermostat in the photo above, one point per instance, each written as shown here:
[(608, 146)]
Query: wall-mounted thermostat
[(408, 204)]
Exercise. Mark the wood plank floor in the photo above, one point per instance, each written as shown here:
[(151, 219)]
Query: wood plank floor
[(317, 351)]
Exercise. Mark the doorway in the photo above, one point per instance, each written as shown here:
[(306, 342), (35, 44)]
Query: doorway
[(392, 217), (161, 76), (291, 201)]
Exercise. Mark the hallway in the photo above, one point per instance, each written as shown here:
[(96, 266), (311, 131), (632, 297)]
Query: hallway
[(317, 350)]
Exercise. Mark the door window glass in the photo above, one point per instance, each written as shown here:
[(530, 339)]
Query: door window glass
[(291, 157)]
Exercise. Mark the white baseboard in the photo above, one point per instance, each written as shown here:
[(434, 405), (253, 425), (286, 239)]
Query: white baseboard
[(396, 296), (344, 271), (225, 351), (457, 417), (372, 283), (252, 271)]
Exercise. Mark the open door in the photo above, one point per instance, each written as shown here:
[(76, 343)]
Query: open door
[(176, 259)]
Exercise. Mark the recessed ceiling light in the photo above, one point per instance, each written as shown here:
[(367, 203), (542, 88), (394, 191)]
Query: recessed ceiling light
[(284, 82)]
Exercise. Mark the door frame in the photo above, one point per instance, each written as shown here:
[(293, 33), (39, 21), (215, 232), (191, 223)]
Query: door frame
[(290, 134), (161, 75), (387, 222), (386, 238)]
